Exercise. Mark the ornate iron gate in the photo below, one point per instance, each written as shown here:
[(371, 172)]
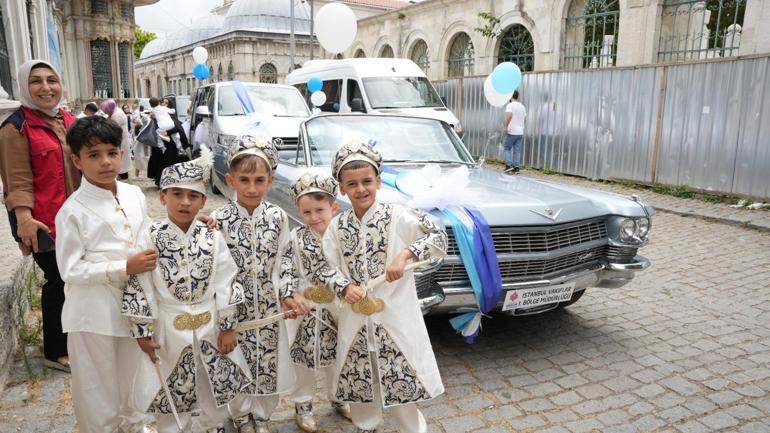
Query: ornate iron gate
[(5, 59)]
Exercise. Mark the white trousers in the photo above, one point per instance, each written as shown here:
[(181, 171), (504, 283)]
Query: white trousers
[(211, 415), (261, 407), (102, 371), (407, 418), (304, 387)]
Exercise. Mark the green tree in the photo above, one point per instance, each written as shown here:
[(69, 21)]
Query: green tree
[(142, 38)]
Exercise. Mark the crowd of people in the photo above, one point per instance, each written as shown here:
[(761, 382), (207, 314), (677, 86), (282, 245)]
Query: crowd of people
[(218, 315)]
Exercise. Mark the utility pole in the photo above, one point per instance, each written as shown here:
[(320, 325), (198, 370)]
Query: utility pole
[(292, 42), (312, 36)]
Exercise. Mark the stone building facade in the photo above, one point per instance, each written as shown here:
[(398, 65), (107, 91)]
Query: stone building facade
[(90, 41), (542, 35)]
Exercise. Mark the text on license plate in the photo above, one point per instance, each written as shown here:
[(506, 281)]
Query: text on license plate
[(537, 296)]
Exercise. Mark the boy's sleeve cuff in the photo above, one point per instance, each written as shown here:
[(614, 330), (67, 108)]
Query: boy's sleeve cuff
[(140, 330), (227, 319), (116, 272)]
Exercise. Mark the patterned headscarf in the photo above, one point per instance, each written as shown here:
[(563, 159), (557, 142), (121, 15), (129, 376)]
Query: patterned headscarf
[(309, 183), (355, 151), (257, 145)]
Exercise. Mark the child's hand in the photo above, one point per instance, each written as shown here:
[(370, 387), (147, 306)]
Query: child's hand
[(209, 221), (396, 269), (142, 261), (289, 307), (227, 341), (148, 346), (301, 304), (353, 294)]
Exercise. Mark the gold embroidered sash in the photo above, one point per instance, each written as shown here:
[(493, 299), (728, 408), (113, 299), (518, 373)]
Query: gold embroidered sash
[(191, 322)]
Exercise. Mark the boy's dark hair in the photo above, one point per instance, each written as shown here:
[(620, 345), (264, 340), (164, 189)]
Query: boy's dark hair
[(89, 131), (516, 95), (355, 165), (248, 163), (91, 106), (141, 108), (154, 102), (318, 196)]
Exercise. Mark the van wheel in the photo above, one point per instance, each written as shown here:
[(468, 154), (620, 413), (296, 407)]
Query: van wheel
[(214, 188), (575, 297)]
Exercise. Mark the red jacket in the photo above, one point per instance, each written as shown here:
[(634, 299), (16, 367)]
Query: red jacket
[(47, 161)]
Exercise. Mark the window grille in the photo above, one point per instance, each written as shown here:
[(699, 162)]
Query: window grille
[(268, 74), (99, 7), (5, 60), (125, 61), (126, 9), (419, 55), (230, 71), (387, 52), (700, 29), (101, 68), (591, 34), (516, 46), (461, 56)]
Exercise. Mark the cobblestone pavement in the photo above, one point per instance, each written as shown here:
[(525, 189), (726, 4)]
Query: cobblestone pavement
[(685, 347)]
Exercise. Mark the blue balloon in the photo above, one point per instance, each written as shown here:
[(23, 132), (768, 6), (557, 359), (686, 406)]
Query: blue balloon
[(201, 71), (506, 78), (314, 84)]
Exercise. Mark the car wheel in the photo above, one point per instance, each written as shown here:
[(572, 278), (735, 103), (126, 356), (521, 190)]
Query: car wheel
[(575, 297), (214, 188)]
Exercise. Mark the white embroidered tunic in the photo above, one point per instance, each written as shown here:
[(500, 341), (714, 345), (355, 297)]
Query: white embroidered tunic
[(258, 244), (184, 303), (97, 232), (314, 342), (362, 250)]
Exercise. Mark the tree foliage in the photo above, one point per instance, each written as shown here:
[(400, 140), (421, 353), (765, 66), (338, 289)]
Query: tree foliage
[(142, 38), (491, 27)]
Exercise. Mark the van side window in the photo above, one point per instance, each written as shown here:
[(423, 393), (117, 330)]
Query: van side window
[(333, 91), (210, 99), (302, 87), (354, 91)]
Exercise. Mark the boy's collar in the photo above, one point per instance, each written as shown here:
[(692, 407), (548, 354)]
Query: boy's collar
[(97, 191), (368, 212), (179, 229), (244, 211)]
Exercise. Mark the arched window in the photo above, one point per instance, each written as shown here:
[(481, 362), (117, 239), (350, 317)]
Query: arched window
[(339, 56), (99, 7), (700, 29), (360, 54), (160, 87), (101, 68), (211, 74), (219, 73), (419, 55), (268, 73), (461, 56), (139, 88), (387, 52), (516, 46), (230, 71), (591, 36)]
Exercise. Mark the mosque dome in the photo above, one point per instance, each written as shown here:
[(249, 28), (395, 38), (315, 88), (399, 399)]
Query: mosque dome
[(268, 16), (200, 29)]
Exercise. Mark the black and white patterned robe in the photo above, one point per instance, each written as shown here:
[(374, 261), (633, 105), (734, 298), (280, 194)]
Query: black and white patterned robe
[(258, 244), (313, 343), (194, 275), (362, 250)]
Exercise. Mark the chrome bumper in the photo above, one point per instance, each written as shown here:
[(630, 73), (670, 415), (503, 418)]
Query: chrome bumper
[(606, 275)]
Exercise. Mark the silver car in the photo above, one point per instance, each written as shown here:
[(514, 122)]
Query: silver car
[(552, 241)]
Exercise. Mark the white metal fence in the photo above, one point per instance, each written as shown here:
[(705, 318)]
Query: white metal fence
[(702, 125)]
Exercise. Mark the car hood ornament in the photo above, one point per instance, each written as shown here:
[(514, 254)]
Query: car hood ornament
[(548, 213)]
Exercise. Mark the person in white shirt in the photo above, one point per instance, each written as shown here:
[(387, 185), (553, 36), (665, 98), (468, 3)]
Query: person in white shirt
[(515, 117), (89, 110), (96, 253), (162, 115)]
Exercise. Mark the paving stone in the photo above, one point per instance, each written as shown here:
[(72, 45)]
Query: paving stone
[(462, 424), (719, 420)]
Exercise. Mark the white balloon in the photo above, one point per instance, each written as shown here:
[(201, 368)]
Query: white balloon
[(318, 98), (495, 99), (335, 27), (200, 55)]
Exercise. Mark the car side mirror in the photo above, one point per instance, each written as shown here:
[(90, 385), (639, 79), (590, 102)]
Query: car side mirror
[(357, 105), (443, 100), (203, 110)]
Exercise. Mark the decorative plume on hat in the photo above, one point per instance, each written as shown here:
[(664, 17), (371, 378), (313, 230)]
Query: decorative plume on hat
[(190, 174), (356, 151), (257, 145), (309, 183)]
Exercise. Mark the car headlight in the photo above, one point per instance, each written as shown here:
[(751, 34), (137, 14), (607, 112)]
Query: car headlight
[(627, 229), (642, 228), (458, 128)]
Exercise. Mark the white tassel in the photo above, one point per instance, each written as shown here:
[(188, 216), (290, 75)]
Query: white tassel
[(206, 159)]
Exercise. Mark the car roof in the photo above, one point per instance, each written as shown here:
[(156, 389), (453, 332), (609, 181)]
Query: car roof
[(385, 115), (247, 83), (364, 67)]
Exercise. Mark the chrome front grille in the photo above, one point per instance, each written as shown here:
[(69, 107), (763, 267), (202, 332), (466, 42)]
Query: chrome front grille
[(527, 269), (288, 143), (540, 239), (621, 254)]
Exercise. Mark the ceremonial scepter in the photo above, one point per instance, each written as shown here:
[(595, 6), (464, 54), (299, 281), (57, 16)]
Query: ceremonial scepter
[(255, 324), (168, 394)]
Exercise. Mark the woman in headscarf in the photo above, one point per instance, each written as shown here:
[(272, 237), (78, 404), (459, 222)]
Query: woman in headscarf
[(38, 175), (109, 107)]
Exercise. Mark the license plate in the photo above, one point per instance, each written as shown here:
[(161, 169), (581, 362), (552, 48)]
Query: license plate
[(537, 296)]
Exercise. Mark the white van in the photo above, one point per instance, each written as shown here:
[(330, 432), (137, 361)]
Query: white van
[(375, 86)]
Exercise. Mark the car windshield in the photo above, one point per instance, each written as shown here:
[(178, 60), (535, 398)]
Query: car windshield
[(401, 92), (267, 101), (398, 139)]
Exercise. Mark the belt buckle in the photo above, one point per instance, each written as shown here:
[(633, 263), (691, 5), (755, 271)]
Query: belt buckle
[(191, 322)]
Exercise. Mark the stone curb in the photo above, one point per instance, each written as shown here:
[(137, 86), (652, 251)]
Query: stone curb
[(12, 311)]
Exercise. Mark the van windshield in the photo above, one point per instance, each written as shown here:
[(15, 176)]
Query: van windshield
[(267, 101), (401, 92)]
